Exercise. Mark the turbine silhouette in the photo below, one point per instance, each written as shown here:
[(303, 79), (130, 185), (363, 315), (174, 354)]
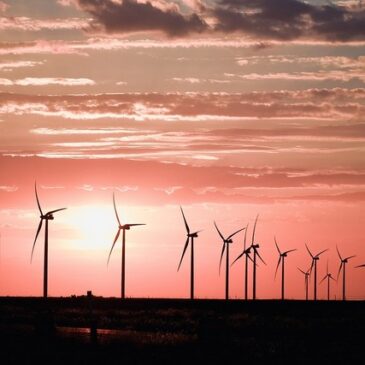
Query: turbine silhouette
[(363, 265), (329, 277), (43, 217), (343, 268), (314, 265), (282, 256), (226, 242), (256, 254), (246, 252), (190, 237), (306, 280), (124, 227)]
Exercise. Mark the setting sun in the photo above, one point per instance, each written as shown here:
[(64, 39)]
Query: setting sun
[(95, 225)]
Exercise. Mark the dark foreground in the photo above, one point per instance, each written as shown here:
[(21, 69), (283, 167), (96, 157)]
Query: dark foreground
[(135, 331)]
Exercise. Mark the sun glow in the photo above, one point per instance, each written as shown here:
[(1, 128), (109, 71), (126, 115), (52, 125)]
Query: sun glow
[(96, 225)]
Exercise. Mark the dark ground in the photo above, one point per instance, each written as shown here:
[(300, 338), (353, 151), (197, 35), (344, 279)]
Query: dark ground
[(57, 331)]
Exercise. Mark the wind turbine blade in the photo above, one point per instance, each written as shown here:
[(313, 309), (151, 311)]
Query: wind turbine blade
[(301, 271), (238, 257), (182, 256), (254, 230), (115, 240), (235, 233), (36, 236), (220, 261), (36, 195), (55, 211), (363, 265), (332, 278), (244, 242), (136, 224), (248, 255), (186, 223), (277, 266), (338, 252), (294, 249), (115, 210), (309, 251), (327, 268), (322, 252), (277, 246), (257, 253), (339, 270), (350, 257), (219, 232), (311, 268)]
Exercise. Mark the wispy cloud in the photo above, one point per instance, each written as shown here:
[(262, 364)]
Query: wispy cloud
[(45, 81), (195, 80), (90, 131), (122, 189), (335, 104), (8, 189), (335, 75), (338, 62), (35, 25), (169, 190), (10, 65)]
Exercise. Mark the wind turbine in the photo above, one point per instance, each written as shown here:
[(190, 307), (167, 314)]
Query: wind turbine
[(124, 227), (282, 256), (246, 252), (343, 266), (306, 281), (314, 265), (226, 242), (44, 217), (190, 237), (255, 246), (329, 277)]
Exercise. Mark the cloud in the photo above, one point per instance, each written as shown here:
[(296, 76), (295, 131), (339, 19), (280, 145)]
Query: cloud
[(287, 20), (198, 183), (137, 16), (262, 20), (8, 189), (45, 81), (334, 75), (36, 25), (55, 187), (65, 2), (337, 62), (169, 190), (90, 131), (326, 104), (86, 187), (10, 65), (195, 80)]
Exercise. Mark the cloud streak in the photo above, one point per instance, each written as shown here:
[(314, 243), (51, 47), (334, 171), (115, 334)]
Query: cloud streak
[(36, 25), (11, 65), (331, 104), (45, 81)]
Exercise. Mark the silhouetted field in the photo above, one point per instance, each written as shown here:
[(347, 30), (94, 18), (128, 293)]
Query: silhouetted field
[(89, 331)]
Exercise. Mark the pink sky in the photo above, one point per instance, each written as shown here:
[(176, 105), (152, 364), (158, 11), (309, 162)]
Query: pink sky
[(190, 103)]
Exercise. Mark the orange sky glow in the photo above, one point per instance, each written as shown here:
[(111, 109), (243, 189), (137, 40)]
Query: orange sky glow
[(181, 103)]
